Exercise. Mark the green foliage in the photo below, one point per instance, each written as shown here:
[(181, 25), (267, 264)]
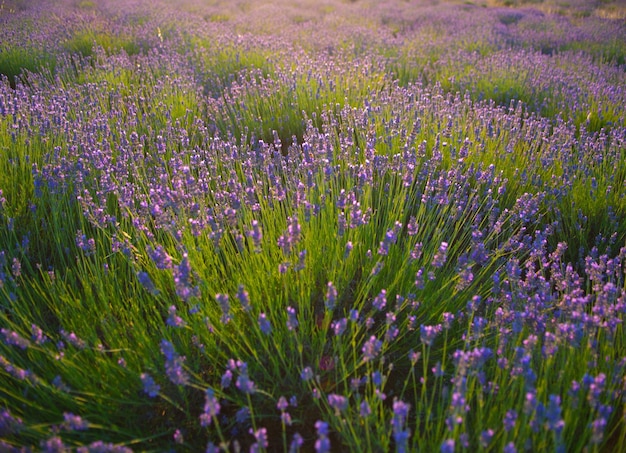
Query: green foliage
[(84, 42), (17, 62)]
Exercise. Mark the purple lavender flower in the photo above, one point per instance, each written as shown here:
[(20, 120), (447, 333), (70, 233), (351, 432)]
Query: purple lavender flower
[(509, 420), (178, 437), (554, 421), (292, 320), (16, 268), (103, 447), (87, 245), (54, 445), (441, 256), (331, 296), (173, 320), (261, 440), (447, 446), (14, 339), (182, 280), (150, 387), (416, 252), (509, 448), (72, 339), (264, 324), (296, 442), (419, 279), (371, 348), (37, 335), (174, 364), (338, 402), (429, 333), (73, 422), (244, 298), (243, 381), (347, 250), (160, 257), (339, 326), (282, 404), (322, 444), (486, 437), (285, 418), (223, 301), (306, 374), (227, 378), (257, 235), (8, 423), (211, 408), (147, 283), (400, 435), (364, 409), (380, 301)]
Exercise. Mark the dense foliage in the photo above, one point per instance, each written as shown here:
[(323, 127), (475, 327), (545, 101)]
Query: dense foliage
[(316, 225)]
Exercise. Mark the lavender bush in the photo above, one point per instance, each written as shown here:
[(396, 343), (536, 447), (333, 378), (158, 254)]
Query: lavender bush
[(312, 226)]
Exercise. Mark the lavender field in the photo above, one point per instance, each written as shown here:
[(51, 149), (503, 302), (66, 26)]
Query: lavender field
[(312, 225)]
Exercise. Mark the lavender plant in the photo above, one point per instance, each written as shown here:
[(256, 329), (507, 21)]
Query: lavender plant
[(256, 234)]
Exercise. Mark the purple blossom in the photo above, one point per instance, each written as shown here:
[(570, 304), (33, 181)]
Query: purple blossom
[(338, 402), (8, 423), (261, 440), (441, 256), (243, 382), (224, 303), (285, 418), (150, 387), (244, 298), (339, 326), (380, 301), (447, 446), (554, 421), (54, 445), (147, 283), (182, 279), (400, 416), (73, 422), (211, 408), (429, 333), (87, 245), (173, 320), (296, 442), (227, 378), (347, 250), (306, 374), (364, 409), (371, 348), (256, 234), (14, 339), (322, 444), (486, 437), (160, 257), (16, 268), (72, 339), (331, 296), (37, 335), (264, 324), (282, 404), (509, 420), (292, 320), (174, 364)]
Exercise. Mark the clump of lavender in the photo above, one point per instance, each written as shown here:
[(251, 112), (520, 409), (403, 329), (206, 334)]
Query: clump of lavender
[(174, 364)]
